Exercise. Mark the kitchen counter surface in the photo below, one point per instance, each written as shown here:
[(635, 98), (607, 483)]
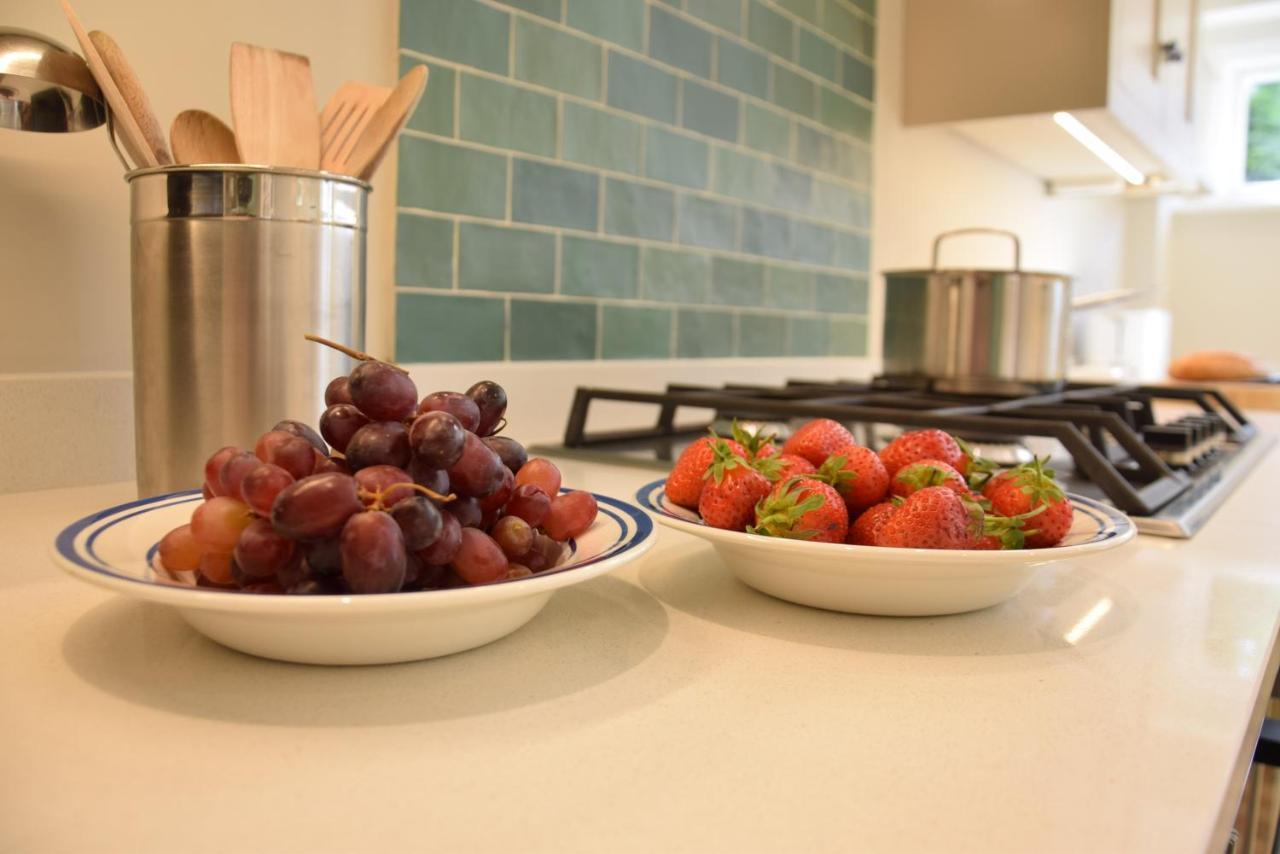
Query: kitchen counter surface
[(1110, 707)]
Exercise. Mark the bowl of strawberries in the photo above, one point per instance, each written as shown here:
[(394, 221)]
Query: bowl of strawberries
[(921, 527)]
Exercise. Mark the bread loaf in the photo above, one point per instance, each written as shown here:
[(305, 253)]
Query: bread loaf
[(1216, 365)]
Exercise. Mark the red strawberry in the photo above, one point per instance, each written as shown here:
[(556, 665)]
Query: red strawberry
[(1029, 487), (865, 531), (802, 508), (688, 475), (858, 475), (1005, 532), (921, 445), (733, 487), (758, 445), (914, 477), (933, 518), (817, 440), (791, 465), (766, 451), (995, 482)]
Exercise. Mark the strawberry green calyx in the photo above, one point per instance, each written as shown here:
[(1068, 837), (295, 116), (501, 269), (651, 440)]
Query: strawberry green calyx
[(770, 467), (723, 459), (921, 475), (777, 514), (753, 442), (833, 472), (979, 469), (1036, 482), (1009, 529)]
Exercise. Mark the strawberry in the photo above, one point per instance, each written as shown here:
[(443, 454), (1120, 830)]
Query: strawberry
[(1005, 532), (921, 445), (733, 487), (1029, 487), (914, 477), (817, 440), (802, 508), (933, 518), (858, 475), (995, 482), (976, 470), (791, 465), (688, 476), (766, 451), (865, 530)]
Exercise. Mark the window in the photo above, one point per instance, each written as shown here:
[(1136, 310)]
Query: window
[(1262, 142)]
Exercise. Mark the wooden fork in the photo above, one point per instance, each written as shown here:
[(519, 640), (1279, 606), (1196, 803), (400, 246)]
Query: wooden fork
[(344, 119)]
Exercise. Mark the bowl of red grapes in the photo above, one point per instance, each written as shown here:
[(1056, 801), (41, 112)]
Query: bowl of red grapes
[(405, 528)]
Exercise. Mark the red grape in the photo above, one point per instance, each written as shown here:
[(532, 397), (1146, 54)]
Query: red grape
[(261, 486), (491, 402), (339, 423), (466, 510), (530, 503), (315, 507), (217, 568), (315, 587), (446, 545), (373, 557), (268, 586), (437, 480), (513, 535), (437, 438), (294, 571), (206, 492), (516, 570), (337, 391), (381, 443), (419, 521), (571, 514), (432, 576), (213, 467), (217, 523), (511, 452), (294, 455), (233, 473), (458, 405), (179, 551), (303, 431), (479, 471), (498, 499), (324, 464), (479, 559), (542, 473), (381, 391), (260, 551), (384, 485), (323, 556)]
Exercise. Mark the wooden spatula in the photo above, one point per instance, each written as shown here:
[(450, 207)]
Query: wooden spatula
[(200, 137), (273, 107), (133, 93), (130, 134), (344, 118), (386, 123)]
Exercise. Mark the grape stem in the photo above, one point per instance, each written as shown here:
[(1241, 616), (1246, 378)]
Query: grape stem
[(376, 496), (349, 351)]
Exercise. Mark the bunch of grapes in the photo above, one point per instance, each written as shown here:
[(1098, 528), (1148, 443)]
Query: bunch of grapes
[(394, 493)]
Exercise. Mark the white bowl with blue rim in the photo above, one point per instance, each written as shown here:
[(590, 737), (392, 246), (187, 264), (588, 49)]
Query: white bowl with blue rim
[(890, 581), (115, 548)]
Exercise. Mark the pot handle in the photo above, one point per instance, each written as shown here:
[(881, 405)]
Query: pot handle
[(1017, 244)]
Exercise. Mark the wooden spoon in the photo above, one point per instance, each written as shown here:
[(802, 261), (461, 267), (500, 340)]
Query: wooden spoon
[(273, 107), (344, 118), (386, 124), (133, 93), (131, 136), (200, 137)]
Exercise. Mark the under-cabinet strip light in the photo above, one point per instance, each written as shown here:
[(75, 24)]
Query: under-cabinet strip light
[(1100, 149)]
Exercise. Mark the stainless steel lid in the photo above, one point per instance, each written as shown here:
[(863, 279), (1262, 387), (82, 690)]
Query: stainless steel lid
[(968, 271), (44, 86)]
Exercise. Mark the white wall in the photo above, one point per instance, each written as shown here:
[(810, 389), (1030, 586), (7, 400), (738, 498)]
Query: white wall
[(930, 179)]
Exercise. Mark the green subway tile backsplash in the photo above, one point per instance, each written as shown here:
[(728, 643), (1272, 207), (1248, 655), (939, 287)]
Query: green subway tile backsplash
[(553, 195), (635, 179), (703, 334), (599, 268), (447, 328), (617, 21), (633, 332), (494, 258), (463, 31), (710, 111), (557, 60), (601, 138), (677, 42), (639, 210), (506, 116), (552, 330)]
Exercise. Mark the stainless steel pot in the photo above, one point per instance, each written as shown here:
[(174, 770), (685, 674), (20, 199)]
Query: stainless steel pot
[(973, 330), (232, 265)]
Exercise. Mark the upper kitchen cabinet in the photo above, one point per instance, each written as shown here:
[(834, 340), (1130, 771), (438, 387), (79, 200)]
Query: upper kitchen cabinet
[(1004, 73)]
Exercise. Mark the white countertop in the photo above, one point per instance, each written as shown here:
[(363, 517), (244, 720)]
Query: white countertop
[(666, 708)]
